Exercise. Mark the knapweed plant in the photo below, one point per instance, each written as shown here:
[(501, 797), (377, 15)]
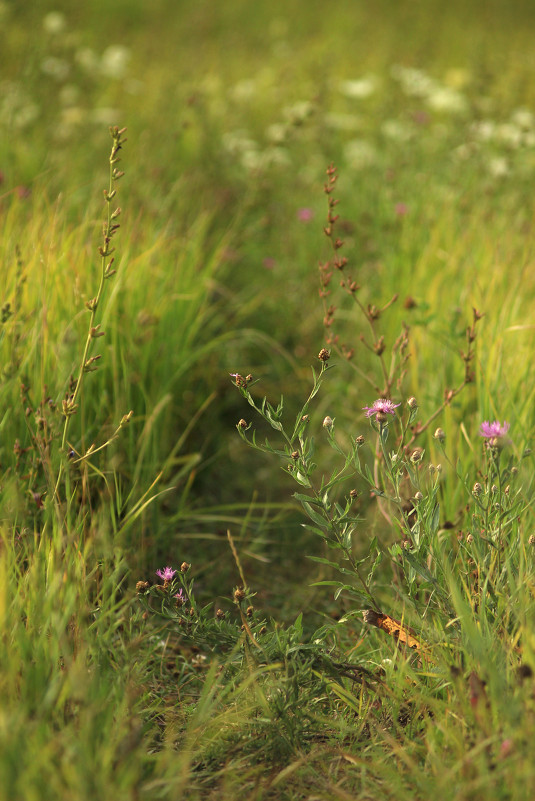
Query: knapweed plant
[(419, 544)]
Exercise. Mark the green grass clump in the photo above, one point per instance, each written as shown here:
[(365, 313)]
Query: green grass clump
[(220, 576)]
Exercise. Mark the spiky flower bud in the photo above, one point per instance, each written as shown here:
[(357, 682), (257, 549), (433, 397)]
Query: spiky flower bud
[(239, 594)]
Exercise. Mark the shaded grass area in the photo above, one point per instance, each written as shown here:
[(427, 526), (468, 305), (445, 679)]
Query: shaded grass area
[(233, 116)]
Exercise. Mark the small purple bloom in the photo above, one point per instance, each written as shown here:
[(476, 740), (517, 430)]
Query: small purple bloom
[(381, 407), (166, 574), (494, 432), (401, 209), (305, 215)]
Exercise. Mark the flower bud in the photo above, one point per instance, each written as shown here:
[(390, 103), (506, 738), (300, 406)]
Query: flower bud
[(440, 435), (418, 497), (239, 594), (412, 403), (324, 355), (184, 567), (328, 423)]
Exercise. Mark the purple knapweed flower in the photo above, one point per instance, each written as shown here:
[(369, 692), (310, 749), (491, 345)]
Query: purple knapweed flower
[(166, 574), (401, 209), (305, 215), (381, 407), (180, 597), (494, 432)]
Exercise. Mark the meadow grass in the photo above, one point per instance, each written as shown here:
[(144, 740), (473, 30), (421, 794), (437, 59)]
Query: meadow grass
[(180, 617)]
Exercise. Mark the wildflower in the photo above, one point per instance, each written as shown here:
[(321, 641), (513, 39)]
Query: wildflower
[(305, 215), (54, 22), (180, 599), (380, 408), (166, 574), (494, 432)]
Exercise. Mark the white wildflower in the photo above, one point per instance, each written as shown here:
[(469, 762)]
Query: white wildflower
[(115, 61), (360, 154), (54, 22), (359, 89)]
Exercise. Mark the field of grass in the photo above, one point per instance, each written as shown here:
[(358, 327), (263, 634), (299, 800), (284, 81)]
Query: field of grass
[(267, 400)]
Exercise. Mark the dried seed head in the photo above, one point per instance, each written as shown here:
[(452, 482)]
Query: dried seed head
[(220, 614), (142, 585), (249, 611), (184, 567), (295, 455), (354, 493)]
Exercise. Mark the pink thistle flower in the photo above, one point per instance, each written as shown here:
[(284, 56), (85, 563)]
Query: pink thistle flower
[(401, 209), (494, 432), (305, 215), (380, 408), (180, 597), (166, 574)]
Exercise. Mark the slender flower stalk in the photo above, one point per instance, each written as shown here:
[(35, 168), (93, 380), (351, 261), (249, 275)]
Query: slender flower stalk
[(88, 362)]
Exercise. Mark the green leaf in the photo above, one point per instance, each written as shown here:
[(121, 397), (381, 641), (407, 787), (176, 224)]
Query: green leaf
[(314, 516), (306, 499), (322, 561), (421, 569)]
